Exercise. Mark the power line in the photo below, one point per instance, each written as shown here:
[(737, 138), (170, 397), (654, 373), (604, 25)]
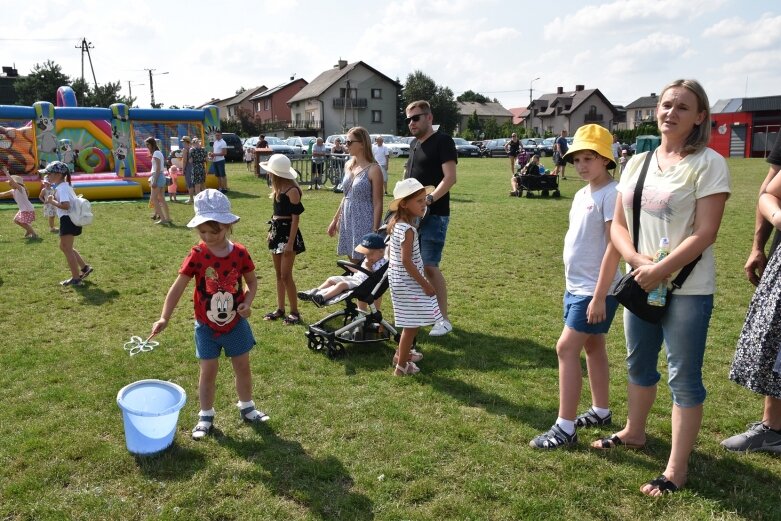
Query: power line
[(35, 39)]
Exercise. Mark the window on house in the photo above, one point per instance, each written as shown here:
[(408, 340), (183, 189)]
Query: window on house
[(592, 110), (376, 116), (352, 94), (266, 104), (376, 93)]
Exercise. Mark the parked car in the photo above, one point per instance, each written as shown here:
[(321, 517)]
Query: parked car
[(529, 144), (329, 141), (404, 139), (546, 146), (302, 144), (279, 146), (235, 150), (466, 149), (396, 148), (495, 148)]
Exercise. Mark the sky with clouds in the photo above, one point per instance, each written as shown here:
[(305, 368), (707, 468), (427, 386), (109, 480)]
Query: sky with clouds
[(627, 49)]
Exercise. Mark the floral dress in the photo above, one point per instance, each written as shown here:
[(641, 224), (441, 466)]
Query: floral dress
[(760, 339), (198, 156), (357, 212)]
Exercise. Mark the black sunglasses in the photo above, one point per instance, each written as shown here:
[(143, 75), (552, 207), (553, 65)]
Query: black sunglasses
[(414, 118), (348, 142)]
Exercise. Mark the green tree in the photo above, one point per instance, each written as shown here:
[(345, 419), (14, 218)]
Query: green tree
[(473, 124), (491, 129), (443, 104), (41, 84), (401, 103), (102, 96), (473, 96)]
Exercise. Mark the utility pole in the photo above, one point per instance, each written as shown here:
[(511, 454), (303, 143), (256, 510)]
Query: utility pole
[(85, 46), (130, 90), (152, 86), (531, 114)]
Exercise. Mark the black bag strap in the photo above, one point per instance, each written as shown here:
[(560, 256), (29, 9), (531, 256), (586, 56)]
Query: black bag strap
[(636, 204)]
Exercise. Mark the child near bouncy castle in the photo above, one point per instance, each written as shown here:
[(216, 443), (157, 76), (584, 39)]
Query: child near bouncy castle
[(173, 174), (222, 306), (26, 213), (49, 210), (590, 272)]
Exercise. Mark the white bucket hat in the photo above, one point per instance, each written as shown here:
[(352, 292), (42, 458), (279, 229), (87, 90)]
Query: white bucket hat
[(405, 188), (212, 205), (279, 165)]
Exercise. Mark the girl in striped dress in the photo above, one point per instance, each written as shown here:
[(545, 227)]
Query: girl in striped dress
[(414, 300)]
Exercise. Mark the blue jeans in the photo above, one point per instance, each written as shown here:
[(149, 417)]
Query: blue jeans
[(432, 233), (235, 342), (219, 168), (576, 314), (684, 330)]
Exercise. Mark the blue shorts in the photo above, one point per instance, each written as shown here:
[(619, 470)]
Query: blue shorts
[(237, 341), (432, 233), (219, 168), (576, 316)]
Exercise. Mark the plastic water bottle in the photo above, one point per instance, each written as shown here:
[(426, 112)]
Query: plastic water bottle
[(658, 296)]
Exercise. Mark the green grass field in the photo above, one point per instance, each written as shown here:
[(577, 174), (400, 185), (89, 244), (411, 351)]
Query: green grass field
[(346, 439)]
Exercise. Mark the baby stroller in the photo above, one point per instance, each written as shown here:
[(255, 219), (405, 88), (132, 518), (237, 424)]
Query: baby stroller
[(352, 325), (545, 184)]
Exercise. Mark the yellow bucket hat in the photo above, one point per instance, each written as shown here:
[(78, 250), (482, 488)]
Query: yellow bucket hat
[(595, 138)]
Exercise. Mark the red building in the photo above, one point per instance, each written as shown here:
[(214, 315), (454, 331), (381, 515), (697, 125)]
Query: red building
[(745, 127), (271, 105)]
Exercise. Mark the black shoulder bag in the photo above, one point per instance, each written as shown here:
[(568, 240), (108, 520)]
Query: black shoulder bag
[(628, 292)]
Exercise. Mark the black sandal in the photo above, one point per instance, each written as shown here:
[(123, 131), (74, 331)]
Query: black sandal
[(663, 485), (292, 319), (274, 315)]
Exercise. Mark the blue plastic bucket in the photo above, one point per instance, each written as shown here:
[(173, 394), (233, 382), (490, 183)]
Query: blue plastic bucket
[(150, 410)]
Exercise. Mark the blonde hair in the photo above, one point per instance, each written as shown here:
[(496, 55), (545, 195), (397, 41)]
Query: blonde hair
[(699, 137), (420, 104), (363, 136), (279, 184)]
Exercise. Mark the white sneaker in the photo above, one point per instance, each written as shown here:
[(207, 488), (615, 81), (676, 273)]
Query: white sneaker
[(441, 328)]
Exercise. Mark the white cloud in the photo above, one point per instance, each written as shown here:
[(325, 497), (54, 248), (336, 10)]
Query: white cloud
[(738, 34)]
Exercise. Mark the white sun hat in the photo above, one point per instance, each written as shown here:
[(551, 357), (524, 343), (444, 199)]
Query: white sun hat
[(212, 205), (279, 165)]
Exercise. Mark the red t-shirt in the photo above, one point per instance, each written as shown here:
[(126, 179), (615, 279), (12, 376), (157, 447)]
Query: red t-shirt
[(218, 284)]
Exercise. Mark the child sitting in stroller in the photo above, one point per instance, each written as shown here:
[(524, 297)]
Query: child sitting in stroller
[(373, 247)]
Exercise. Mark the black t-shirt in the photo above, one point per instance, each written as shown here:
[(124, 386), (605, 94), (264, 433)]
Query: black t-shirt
[(425, 165), (775, 155), (514, 147)]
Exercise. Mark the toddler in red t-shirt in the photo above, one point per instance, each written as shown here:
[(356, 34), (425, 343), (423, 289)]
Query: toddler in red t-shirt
[(222, 305)]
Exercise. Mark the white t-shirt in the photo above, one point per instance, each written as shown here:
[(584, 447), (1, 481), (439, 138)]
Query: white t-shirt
[(62, 194), (381, 154), (616, 149), (20, 196), (668, 207), (586, 240), (218, 148)]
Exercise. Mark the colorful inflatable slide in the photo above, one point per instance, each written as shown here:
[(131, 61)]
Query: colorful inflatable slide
[(103, 146)]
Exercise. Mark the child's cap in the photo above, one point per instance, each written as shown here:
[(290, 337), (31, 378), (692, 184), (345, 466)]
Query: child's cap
[(405, 188), (279, 165), (55, 167), (212, 205), (595, 138), (370, 241), (18, 179)]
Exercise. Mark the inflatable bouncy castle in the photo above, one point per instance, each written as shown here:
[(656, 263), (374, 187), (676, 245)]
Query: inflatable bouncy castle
[(104, 147)]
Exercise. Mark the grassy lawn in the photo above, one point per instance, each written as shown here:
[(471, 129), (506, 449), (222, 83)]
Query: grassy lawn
[(346, 439)]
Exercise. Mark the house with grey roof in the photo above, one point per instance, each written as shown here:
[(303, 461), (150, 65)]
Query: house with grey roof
[(569, 110), (484, 111), (642, 110), (229, 107), (745, 127), (348, 95)]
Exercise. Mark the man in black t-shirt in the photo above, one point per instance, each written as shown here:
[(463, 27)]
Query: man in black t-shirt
[(433, 160)]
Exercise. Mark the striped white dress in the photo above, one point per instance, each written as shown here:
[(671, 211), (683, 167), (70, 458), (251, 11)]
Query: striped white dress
[(411, 306)]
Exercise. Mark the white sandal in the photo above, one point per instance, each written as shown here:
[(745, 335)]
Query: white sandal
[(407, 369), (414, 356)]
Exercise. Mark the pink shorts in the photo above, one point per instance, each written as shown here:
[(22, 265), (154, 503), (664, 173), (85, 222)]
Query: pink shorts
[(24, 217)]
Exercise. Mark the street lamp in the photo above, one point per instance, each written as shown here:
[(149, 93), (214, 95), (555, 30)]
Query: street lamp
[(130, 89), (152, 86), (531, 114)]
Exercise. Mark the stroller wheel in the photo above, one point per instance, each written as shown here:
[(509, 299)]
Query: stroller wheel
[(311, 342), (335, 349), (556, 193)]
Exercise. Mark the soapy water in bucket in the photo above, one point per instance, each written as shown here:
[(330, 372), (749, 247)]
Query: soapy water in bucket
[(138, 345)]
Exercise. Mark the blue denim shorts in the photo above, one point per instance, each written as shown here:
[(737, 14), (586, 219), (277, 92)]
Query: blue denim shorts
[(219, 168), (432, 232), (684, 331), (209, 343), (576, 316)]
